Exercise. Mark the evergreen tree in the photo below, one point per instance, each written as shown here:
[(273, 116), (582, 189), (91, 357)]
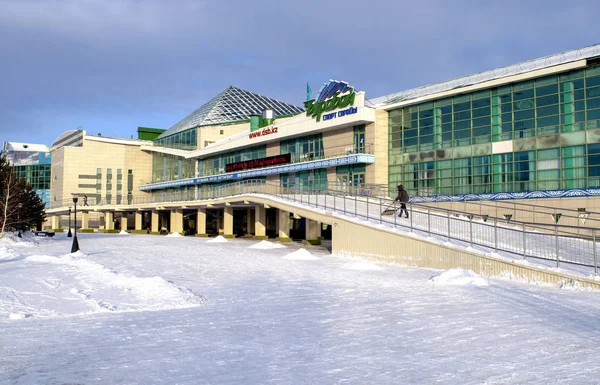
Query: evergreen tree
[(20, 207)]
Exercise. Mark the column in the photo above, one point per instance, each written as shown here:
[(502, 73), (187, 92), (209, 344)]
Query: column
[(568, 106), (260, 223), (176, 221), (228, 222), (312, 237), (283, 226), (496, 119), (201, 226), (320, 230), (138, 220), (108, 220), (85, 219), (437, 128), (55, 222), (250, 221), (124, 221), (154, 224)]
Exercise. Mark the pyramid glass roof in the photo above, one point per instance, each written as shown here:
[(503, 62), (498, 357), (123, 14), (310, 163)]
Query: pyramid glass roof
[(231, 105)]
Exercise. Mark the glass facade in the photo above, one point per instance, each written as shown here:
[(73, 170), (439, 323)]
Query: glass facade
[(216, 165), (185, 140), (445, 146), (38, 175), (303, 149), (351, 175), (305, 180), (34, 168), (166, 167)]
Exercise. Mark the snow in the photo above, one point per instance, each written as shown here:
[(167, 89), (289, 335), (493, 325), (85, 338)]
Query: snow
[(265, 245), (174, 235), (219, 239), (361, 265), (123, 232), (300, 255), (146, 310), (459, 277)]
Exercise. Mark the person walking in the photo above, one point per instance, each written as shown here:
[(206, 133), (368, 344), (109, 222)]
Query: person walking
[(403, 199), (85, 203)]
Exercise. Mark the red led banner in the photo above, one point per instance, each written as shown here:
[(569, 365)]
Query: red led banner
[(256, 163)]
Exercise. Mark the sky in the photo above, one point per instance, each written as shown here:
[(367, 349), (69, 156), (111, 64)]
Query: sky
[(146, 309), (111, 66)]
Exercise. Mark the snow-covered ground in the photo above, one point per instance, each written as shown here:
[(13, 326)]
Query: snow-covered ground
[(143, 309)]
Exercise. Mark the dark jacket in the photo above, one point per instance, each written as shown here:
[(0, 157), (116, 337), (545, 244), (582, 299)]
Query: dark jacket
[(402, 195)]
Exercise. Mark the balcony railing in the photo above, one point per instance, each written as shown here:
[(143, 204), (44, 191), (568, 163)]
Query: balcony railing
[(328, 153)]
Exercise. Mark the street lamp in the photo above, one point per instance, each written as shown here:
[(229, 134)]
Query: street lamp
[(75, 246), (69, 235), (20, 205)]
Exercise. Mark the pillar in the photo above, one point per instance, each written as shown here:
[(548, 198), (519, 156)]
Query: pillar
[(320, 230), (139, 216), (176, 221), (55, 222), (228, 222), (154, 222), (283, 226), (124, 222), (250, 221), (201, 226), (312, 237), (260, 223), (85, 220), (108, 220)]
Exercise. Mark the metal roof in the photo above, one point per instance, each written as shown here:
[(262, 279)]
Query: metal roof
[(514, 69), (25, 147), (233, 104)]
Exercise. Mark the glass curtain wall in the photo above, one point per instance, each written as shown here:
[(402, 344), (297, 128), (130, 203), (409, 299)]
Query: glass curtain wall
[(166, 167), (216, 165), (303, 149), (185, 140), (556, 104)]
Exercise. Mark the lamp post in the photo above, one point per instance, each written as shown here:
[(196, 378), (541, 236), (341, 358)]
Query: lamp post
[(75, 246), (69, 235), (20, 205)]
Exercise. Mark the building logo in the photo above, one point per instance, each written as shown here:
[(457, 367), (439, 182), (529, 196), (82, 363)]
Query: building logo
[(264, 132), (332, 96)]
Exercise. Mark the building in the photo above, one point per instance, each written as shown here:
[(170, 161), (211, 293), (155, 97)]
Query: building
[(327, 145), (247, 165), (529, 131), (108, 171), (31, 162)]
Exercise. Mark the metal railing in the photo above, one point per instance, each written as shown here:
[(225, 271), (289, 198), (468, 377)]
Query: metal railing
[(493, 234), (325, 153), (540, 217), (524, 240)]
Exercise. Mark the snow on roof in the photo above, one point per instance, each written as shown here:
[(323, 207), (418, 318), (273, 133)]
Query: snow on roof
[(25, 147)]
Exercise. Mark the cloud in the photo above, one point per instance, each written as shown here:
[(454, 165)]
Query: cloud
[(109, 64)]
